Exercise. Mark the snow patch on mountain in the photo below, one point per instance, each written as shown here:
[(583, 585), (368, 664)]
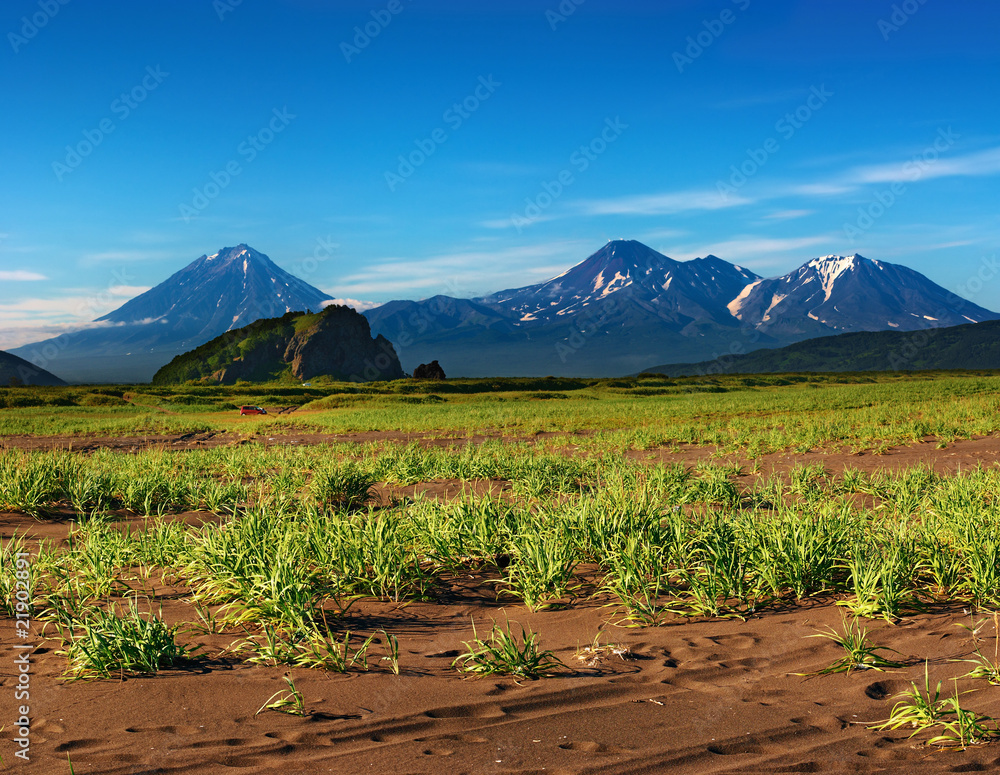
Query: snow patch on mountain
[(735, 305), (830, 268)]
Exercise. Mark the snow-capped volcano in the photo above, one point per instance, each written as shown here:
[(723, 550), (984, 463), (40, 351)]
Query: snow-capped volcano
[(834, 294), (217, 293), (627, 307), (213, 294), (625, 273)]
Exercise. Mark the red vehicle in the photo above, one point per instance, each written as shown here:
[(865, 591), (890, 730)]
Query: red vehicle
[(252, 410)]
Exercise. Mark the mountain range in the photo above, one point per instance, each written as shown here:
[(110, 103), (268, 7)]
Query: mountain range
[(621, 310), (627, 306)]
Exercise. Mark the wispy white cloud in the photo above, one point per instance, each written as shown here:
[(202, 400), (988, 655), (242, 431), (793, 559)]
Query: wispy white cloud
[(18, 332), (359, 306), (521, 222), (128, 291), (757, 252), (667, 203), (30, 319), (661, 234), (787, 215), (979, 164), (465, 273), (829, 188), (907, 169), (20, 275), (128, 256)]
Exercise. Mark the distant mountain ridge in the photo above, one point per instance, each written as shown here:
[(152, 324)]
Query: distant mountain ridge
[(16, 371), (970, 346), (211, 295), (619, 311), (628, 306)]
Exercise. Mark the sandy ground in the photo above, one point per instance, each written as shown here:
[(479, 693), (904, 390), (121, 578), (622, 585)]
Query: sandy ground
[(956, 456), (717, 696), (695, 697)]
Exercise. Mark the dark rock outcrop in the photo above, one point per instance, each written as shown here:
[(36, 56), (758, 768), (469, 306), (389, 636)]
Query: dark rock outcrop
[(430, 370), (336, 343)]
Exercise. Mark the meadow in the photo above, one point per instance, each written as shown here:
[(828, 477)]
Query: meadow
[(338, 557)]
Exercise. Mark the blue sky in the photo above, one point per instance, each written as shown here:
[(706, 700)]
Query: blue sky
[(530, 133)]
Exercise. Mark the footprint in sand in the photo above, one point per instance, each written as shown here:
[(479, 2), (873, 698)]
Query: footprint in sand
[(47, 727), (589, 746), (170, 729), (466, 711), (733, 749), (452, 738), (230, 742), (79, 745), (736, 641), (809, 766), (882, 690)]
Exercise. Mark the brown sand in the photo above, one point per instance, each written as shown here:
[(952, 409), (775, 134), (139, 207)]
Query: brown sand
[(718, 696), (698, 696)]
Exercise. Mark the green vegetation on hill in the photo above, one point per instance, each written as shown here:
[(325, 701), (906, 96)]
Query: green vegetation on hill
[(216, 355), (335, 343), (973, 346)]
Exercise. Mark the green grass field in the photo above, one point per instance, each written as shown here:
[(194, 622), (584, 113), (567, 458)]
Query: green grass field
[(752, 414), (295, 536)]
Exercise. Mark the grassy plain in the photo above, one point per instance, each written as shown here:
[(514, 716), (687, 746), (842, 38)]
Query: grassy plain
[(758, 414), (314, 558)]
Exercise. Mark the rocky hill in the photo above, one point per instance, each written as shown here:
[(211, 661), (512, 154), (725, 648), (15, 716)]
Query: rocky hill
[(336, 342)]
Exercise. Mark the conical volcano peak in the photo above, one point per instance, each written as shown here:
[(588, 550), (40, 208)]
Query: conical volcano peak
[(228, 289), (239, 251)]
